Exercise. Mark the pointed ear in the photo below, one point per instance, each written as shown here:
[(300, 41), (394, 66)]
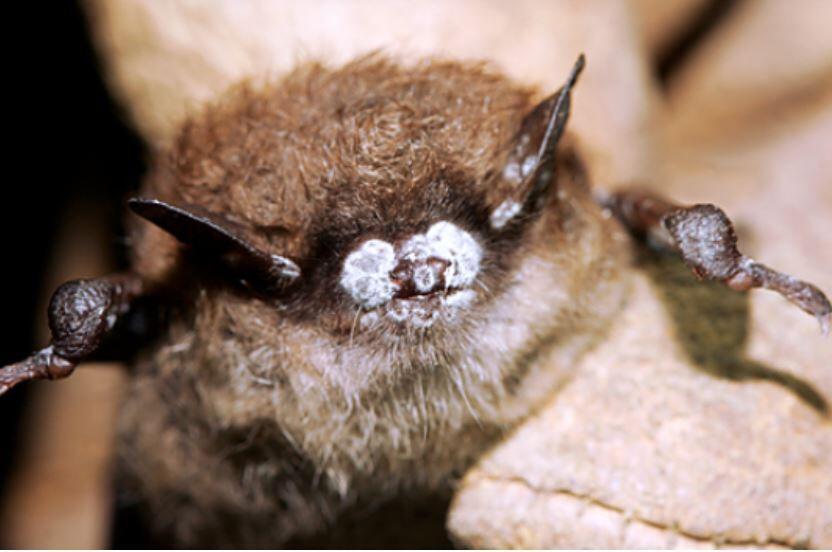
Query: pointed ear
[(218, 237), (528, 167)]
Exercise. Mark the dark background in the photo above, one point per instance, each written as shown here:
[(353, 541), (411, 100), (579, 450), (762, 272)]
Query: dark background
[(66, 142)]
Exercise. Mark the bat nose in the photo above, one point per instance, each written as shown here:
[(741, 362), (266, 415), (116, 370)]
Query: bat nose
[(445, 258), (419, 277)]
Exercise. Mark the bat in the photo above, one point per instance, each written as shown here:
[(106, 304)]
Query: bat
[(367, 274)]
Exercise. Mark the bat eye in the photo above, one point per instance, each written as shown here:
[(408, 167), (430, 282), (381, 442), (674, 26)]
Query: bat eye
[(444, 259)]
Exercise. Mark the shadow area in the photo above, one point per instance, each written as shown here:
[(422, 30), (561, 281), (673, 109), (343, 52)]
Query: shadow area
[(401, 524), (711, 323)]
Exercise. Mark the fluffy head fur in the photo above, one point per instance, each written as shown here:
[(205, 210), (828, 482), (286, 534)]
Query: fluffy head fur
[(278, 412)]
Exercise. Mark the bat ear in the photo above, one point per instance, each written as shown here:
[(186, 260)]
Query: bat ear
[(529, 165), (220, 238)]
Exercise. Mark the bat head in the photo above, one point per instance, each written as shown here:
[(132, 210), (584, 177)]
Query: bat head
[(411, 209)]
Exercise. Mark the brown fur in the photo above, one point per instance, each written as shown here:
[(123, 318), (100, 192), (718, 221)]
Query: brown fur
[(255, 420)]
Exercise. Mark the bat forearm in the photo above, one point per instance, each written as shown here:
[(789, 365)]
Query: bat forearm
[(641, 212), (44, 364), (705, 238)]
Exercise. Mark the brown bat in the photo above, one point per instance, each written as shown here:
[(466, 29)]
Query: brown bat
[(369, 274)]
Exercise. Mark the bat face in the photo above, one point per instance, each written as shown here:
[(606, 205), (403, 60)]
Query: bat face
[(398, 266), (407, 270), (398, 199)]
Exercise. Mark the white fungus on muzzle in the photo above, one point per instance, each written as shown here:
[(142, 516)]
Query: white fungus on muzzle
[(366, 274)]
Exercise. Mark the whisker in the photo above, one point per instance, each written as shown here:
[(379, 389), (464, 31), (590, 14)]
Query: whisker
[(482, 285), (354, 324)]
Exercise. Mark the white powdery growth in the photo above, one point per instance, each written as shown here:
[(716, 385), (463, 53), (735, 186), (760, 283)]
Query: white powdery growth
[(418, 250), (449, 242), (423, 314), (506, 211), (414, 312), (511, 172), (425, 277), (529, 164), (460, 299), (369, 319), (366, 274)]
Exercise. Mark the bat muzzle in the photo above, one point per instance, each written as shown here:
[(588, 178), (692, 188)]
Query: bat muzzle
[(418, 280)]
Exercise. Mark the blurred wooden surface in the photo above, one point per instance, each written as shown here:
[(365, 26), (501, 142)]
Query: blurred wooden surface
[(60, 494)]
